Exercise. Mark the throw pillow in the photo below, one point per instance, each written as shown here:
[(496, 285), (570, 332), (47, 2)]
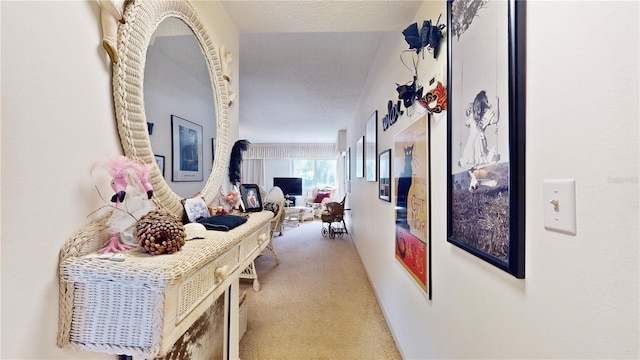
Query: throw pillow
[(273, 207), (321, 195)]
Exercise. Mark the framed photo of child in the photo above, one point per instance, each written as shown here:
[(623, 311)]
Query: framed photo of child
[(251, 197)]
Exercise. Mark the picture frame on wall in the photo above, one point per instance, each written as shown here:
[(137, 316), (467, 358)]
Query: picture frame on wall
[(486, 131), (160, 163), (213, 149), (412, 198), (186, 144), (347, 165), (371, 146), (360, 157), (384, 176)]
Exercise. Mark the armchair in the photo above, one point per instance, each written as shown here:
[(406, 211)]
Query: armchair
[(319, 197)]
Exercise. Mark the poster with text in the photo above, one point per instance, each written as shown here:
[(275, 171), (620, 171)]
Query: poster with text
[(412, 200)]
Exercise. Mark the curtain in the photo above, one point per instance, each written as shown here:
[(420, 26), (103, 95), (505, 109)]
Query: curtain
[(291, 151), (253, 171)]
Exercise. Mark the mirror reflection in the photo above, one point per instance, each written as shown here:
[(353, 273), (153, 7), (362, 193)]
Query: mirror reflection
[(179, 106)]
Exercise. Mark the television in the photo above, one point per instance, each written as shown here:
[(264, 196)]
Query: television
[(290, 186)]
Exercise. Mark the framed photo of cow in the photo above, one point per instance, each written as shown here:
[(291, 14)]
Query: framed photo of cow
[(486, 131)]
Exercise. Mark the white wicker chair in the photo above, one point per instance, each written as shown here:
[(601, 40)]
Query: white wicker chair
[(275, 196), (311, 199)]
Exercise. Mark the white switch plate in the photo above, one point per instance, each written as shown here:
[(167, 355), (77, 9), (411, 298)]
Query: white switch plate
[(560, 205)]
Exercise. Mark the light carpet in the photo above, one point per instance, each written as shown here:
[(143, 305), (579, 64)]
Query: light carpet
[(317, 304)]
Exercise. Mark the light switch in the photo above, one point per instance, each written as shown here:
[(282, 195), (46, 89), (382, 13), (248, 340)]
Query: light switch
[(560, 205)]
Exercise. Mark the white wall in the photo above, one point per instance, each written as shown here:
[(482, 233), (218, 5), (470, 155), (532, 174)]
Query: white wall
[(580, 296), (57, 119)]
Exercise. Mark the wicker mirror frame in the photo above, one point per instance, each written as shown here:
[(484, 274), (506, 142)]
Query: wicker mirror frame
[(141, 18)]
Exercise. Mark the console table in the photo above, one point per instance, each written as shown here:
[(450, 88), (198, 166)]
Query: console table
[(141, 306)]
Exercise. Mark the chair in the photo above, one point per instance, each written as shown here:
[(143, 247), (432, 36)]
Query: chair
[(275, 196), (273, 201), (333, 218), (263, 192), (319, 195)]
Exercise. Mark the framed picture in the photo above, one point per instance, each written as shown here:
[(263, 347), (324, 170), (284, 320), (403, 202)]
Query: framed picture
[(186, 144), (347, 165), (360, 157), (384, 166), (412, 195), (371, 146), (486, 130), (213, 149), (160, 163), (195, 208), (251, 197)]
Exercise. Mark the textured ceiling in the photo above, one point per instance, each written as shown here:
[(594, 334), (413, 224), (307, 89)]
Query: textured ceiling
[(303, 64)]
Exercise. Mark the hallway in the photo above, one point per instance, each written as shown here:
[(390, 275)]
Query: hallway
[(317, 304)]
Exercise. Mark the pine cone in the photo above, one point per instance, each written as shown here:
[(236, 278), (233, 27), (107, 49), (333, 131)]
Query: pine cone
[(159, 232)]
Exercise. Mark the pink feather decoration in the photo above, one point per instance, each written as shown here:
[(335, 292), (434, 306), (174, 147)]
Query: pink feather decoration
[(124, 171)]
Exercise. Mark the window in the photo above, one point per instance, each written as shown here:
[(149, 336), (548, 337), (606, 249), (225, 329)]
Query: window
[(315, 173)]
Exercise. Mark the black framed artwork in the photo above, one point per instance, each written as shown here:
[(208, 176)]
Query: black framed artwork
[(251, 200), (384, 176), (213, 149), (486, 130), (160, 163), (371, 147), (186, 143), (347, 165)]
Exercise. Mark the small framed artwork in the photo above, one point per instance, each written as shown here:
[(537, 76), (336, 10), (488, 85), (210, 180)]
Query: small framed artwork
[(213, 149), (347, 165), (384, 166), (371, 146), (251, 197), (486, 131), (413, 201), (160, 163), (360, 157), (195, 208), (186, 144)]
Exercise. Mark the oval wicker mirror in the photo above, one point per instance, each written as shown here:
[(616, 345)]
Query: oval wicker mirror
[(142, 18)]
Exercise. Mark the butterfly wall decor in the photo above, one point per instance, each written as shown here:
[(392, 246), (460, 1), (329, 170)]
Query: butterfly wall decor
[(409, 92), (428, 36)]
